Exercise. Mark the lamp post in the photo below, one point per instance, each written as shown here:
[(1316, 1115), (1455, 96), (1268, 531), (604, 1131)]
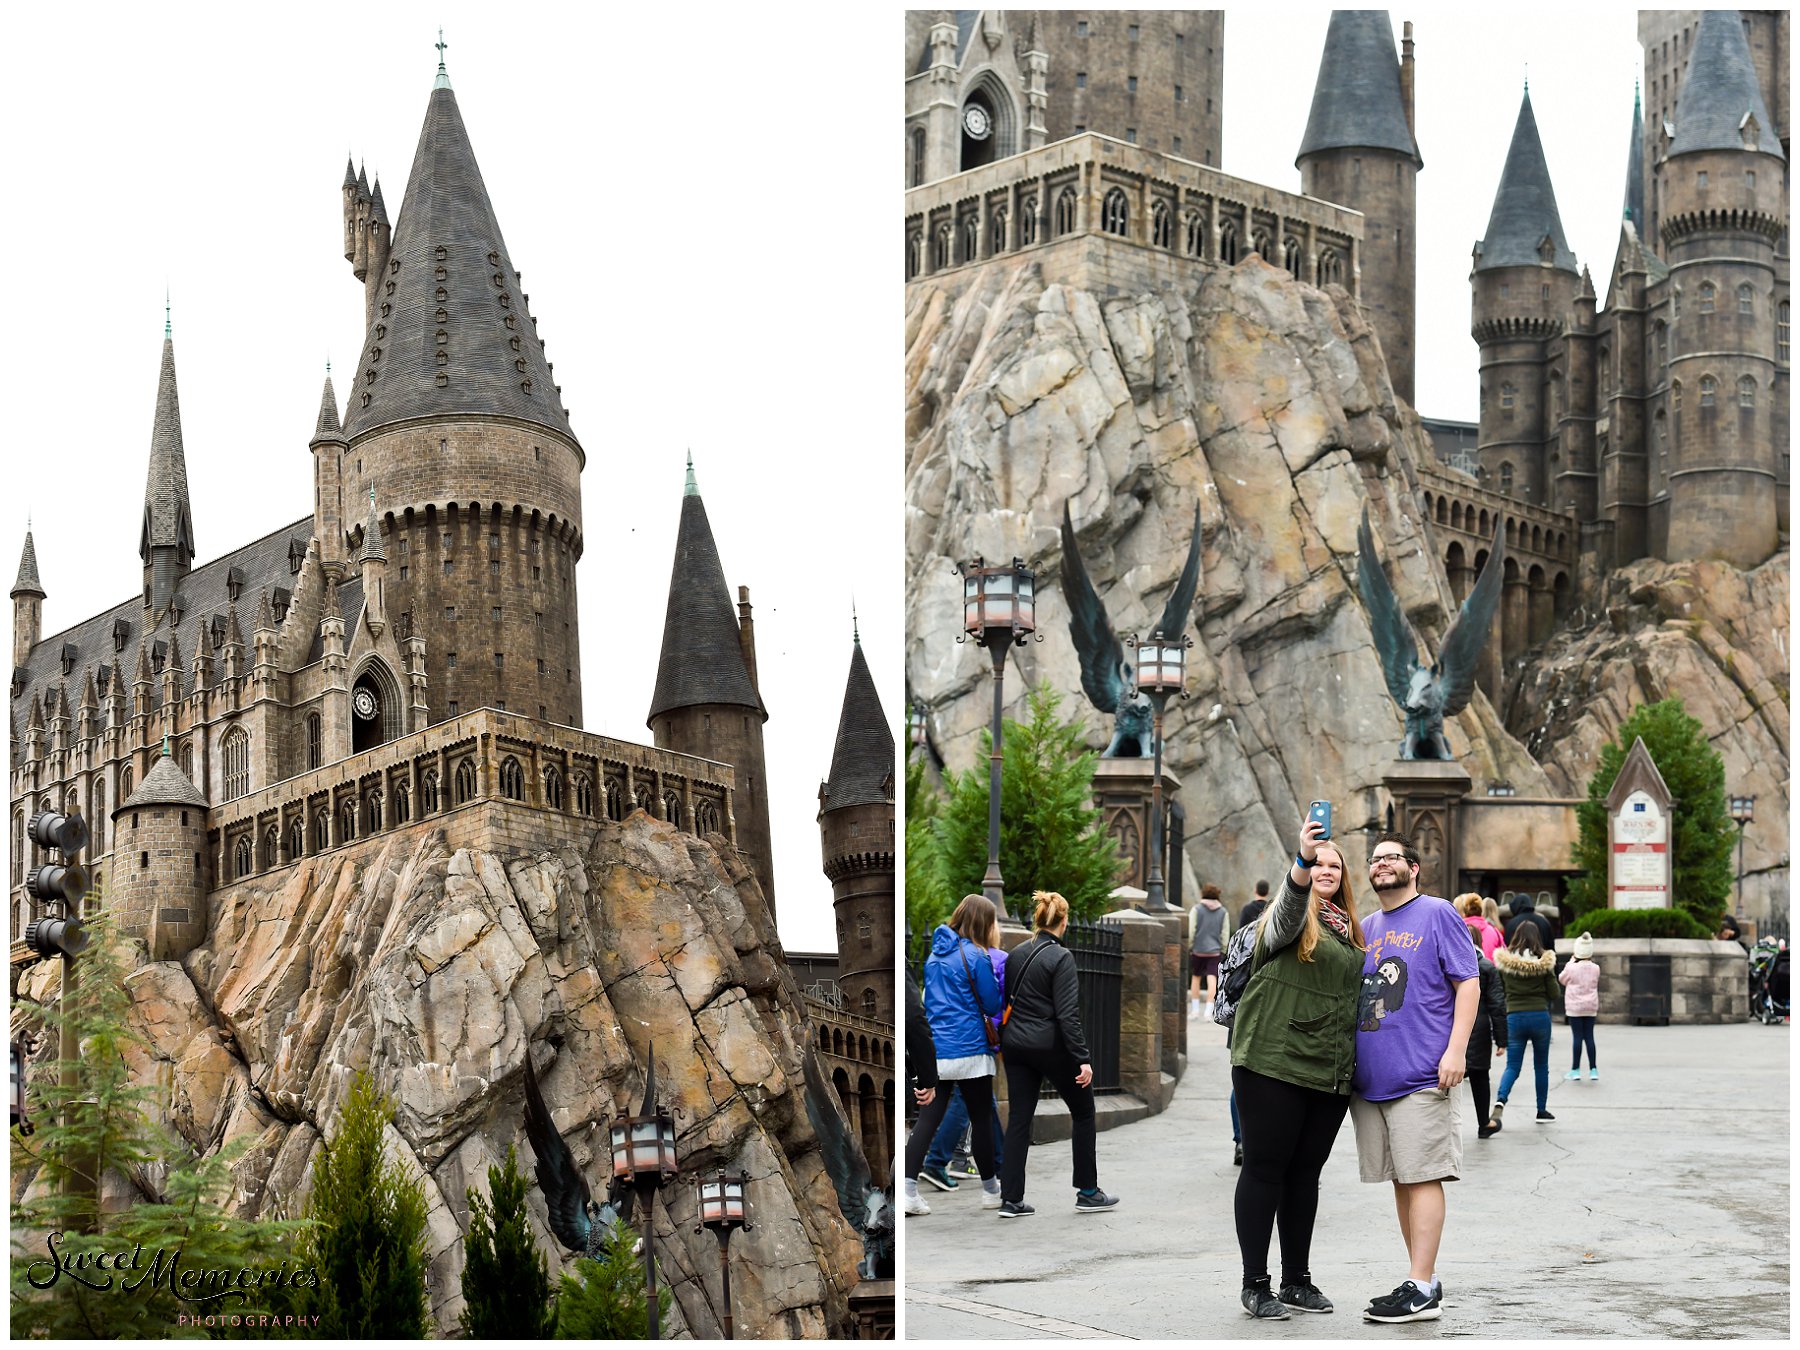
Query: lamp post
[(999, 612), (643, 1153), (1743, 811), (1161, 673), (723, 1209)]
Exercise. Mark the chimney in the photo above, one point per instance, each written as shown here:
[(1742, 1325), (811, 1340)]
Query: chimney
[(747, 637), (1406, 74)]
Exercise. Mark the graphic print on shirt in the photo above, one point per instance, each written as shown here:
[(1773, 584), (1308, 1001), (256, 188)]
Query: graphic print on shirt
[(1383, 991)]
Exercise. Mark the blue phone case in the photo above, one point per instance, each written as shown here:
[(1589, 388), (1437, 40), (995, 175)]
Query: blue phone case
[(1321, 812)]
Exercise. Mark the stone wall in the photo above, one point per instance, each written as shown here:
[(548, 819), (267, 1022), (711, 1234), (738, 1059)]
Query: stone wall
[(1710, 981)]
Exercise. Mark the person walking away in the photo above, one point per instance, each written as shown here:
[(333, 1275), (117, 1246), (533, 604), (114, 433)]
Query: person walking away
[(1415, 1011), (1529, 973), (1524, 912), (948, 1157), (1581, 1004), (1042, 1039), (1487, 1036), (1212, 925), (1249, 914), (961, 994), (1488, 936), (921, 1053), (1293, 1049)]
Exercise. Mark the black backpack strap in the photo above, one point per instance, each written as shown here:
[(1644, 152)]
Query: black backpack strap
[(1012, 982)]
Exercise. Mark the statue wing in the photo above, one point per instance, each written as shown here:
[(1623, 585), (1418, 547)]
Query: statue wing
[(1180, 609), (838, 1147), (565, 1189), (1461, 651), (1394, 640), (1102, 654)]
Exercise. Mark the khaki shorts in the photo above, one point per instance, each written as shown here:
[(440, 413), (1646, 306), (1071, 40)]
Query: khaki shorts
[(1410, 1139)]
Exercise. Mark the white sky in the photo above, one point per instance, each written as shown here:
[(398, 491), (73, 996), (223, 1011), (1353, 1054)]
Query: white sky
[(695, 279)]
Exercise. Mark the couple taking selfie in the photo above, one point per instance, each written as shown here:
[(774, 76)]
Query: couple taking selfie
[(1365, 1014)]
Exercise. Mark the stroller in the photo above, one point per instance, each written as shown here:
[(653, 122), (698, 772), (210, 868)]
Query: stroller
[(1769, 981)]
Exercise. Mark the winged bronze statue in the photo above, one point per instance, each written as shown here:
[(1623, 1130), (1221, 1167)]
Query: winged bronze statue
[(865, 1206), (1428, 694), (579, 1224), (1105, 673)]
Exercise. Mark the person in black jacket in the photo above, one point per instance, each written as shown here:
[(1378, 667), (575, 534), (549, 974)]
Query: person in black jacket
[(1042, 1038), (1524, 911), (921, 1053), (1488, 1035)]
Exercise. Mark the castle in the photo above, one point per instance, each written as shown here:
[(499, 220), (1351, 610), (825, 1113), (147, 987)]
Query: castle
[(395, 654), (1650, 422)]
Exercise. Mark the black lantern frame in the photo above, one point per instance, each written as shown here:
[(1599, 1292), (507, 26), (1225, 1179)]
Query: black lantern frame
[(643, 1154), (724, 1206), (1161, 674)]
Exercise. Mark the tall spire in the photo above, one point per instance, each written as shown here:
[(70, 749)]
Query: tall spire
[(1720, 93), (168, 519), (1524, 215), (692, 488), (450, 291), (328, 428), (862, 759), (28, 583), (1357, 100), (702, 660), (1634, 167), (372, 545)]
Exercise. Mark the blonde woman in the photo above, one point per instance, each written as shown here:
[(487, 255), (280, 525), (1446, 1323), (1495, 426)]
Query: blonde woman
[(1043, 1039), (1488, 935), (1293, 1049)]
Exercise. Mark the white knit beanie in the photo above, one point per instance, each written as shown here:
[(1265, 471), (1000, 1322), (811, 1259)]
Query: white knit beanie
[(1584, 947)]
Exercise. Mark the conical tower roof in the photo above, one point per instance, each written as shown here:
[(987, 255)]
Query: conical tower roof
[(862, 761), (168, 519), (1721, 91), (28, 583), (1524, 213), (450, 288), (164, 785), (1357, 100), (702, 660), (372, 546), (328, 428), (1634, 167)]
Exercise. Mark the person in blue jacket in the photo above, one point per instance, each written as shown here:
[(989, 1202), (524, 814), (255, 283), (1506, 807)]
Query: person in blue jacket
[(962, 992)]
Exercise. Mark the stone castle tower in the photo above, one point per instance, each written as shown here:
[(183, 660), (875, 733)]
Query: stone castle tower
[(28, 604), (1359, 150), (706, 701), (856, 836)]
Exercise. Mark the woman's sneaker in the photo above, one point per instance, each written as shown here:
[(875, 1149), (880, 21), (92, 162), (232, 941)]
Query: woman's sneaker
[(1573, 1075), (1305, 1297), (1010, 1209), (914, 1204), (1259, 1302), (1408, 1303), (1089, 1202), (1593, 1075), (938, 1177), (1544, 1117), (991, 1199)]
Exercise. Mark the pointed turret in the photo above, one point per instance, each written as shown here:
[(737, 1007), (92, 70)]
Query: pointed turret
[(329, 428), (328, 445), (862, 759), (1721, 106), (450, 334), (706, 702), (166, 542), (1358, 100), (372, 547), (28, 604), (377, 207), (1634, 166), (1524, 229)]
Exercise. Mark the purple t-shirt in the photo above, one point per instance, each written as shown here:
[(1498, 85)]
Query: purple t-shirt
[(1416, 956)]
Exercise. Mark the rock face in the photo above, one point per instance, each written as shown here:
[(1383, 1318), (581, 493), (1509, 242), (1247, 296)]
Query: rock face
[(1705, 632), (1266, 400), (439, 971)]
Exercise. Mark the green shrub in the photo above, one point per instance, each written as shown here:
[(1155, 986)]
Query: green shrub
[(1641, 923)]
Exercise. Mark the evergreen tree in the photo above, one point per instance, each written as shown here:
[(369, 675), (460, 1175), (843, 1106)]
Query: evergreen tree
[(927, 903), (368, 1239), (505, 1280), (1051, 837), (608, 1301), (1703, 835), (110, 1130)]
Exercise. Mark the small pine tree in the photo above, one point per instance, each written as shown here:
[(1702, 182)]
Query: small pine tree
[(927, 904), (1703, 836), (608, 1301), (1051, 837), (109, 1128), (505, 1280), (368, 1239)]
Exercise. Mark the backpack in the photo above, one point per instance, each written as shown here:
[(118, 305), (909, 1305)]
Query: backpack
[(1235, 969)]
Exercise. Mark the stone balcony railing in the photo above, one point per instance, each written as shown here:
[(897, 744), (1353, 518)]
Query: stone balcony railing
[(1454, 502), (1094, 185)]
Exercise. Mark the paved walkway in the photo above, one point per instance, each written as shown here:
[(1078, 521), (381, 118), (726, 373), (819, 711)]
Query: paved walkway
[(1613, 1222)]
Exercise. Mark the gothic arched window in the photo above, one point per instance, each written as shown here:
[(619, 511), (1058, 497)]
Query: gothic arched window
[(968, 239), (297, 839), (185, 757), (1747, 392), (615, 799), (584, 794), (553, 786), (96, 816), (402, 804), (243, 857), (1746, 299), (940, 253), (1506, 480), (1161, 229), (1065, 212), (1260, 244), (236, 746), (372, 812), (1781, 332), (868, 1003), (512, 779), (1708, 293), (1028, 221), (914, 247), (428, 792), (1709, 387), (347, 820), (465, 781), (706, 818), (1331, 267), (18, 848), (1291, 257), (672, 808), (1196, 235), (1115, 215), (918, 156), (1228, 242), (997, 231), (314, 745), (271, 847)]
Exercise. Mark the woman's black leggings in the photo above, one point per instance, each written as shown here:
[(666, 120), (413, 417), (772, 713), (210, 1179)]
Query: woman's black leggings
[(1480, 1085), (1025, 1073), (978, 1096), (1288, 1133)]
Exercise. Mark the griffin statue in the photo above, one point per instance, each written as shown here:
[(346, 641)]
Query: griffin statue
[(1105, 673), (579, 1224), (1427, 695), (867, 1208)]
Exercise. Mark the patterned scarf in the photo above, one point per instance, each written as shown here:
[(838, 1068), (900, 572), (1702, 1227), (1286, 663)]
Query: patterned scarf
[(1338, 920)]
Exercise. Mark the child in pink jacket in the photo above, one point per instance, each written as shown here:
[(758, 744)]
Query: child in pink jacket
[(1581, 1001)]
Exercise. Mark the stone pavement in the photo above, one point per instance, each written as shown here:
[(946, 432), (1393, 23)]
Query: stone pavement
[(1615, 1221)]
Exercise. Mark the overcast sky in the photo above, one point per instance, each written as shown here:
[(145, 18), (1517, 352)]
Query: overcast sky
[(678, 227)]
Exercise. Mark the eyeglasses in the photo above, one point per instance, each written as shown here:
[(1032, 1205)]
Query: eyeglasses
[(1388, 858)]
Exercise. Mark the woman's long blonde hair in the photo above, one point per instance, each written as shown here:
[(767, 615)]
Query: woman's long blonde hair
[(1049, 909), (1346, 901)]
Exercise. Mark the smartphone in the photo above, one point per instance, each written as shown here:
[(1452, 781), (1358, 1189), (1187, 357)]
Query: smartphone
[(1321, 812)]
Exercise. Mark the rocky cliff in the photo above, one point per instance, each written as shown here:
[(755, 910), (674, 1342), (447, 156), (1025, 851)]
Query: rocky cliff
[(1266, 400), (439, 970)]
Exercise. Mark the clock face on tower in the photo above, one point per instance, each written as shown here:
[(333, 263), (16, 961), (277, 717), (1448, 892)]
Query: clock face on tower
[(364, 704), (976, 121)]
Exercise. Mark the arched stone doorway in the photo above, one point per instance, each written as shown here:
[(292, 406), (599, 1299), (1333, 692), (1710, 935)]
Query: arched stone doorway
[(987, 123), (375, 713)]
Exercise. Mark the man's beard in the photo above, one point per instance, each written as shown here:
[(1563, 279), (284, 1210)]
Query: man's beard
[(1395, 881)]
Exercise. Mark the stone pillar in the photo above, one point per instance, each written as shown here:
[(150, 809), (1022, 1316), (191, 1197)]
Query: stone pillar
[(1142, 977), (1427, 796), (1122, 791), (1515, 613)]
